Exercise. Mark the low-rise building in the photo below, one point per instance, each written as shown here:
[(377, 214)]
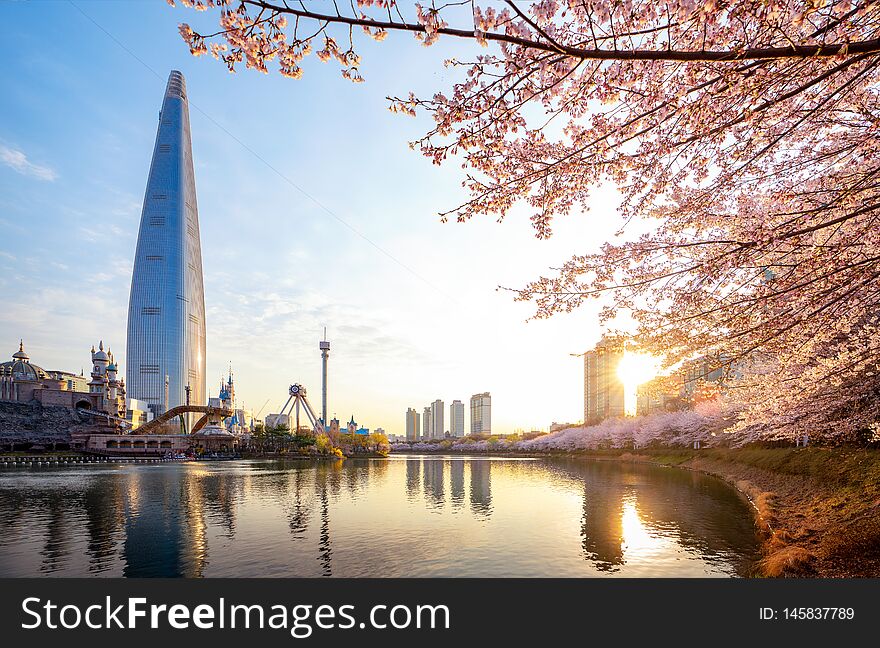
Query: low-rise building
[(277, 420)]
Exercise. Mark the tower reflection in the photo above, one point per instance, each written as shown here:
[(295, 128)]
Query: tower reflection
[(413, 478), (165, 525), (327, 483), (299, 513), (481, 487), (601, 528), (432, 469), (456, 482)]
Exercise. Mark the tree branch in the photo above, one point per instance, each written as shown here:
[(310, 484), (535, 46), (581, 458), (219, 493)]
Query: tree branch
[(870, 46)]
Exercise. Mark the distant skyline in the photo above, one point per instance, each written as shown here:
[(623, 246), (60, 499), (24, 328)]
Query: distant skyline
[(314, 212)]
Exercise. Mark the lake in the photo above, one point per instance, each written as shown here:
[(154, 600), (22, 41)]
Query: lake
[(409, 515)]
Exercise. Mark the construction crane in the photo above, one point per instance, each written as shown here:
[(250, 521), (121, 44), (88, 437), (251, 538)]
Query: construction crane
[(262, 408)]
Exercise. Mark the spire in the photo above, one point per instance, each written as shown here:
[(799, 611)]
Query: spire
[(20, 354)]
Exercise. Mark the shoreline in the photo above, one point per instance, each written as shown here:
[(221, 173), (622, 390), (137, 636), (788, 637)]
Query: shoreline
[(817, 510)]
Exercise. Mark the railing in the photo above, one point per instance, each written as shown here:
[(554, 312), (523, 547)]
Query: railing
[(26, 461)]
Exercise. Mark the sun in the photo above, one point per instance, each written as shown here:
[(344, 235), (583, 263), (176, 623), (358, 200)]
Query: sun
[(633, 370)]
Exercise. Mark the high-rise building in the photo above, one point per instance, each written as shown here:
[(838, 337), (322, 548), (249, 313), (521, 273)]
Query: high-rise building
[(412, 425), (166, 310), (481, 413), (604, 393), (456, 419), (438, 427), (427, 427)]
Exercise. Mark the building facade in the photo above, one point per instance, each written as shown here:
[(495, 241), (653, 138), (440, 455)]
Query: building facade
[(278, 420), (413, 431), (481, 413), (456, 419), (166, 313), (106, 389), (705, 369), (438, 424), (427, 427), (604, 393), (104, 392)]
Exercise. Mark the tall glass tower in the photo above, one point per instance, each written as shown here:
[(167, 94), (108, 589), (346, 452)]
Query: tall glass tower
[(166, 309)]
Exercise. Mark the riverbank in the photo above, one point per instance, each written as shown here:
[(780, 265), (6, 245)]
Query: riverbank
[(818, 508)]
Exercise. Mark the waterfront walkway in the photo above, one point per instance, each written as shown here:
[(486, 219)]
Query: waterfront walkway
[(67, 460)]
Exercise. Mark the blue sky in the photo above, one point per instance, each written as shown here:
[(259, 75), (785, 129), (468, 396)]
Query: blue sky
[(410, 304)]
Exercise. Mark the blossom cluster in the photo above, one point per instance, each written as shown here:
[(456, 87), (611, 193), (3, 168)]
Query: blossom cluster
[(743, 134)]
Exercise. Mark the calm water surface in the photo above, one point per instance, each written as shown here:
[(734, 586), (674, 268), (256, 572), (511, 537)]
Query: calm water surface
[(405, 516)]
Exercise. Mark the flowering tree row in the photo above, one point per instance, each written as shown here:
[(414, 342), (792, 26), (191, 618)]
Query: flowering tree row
[(744, 131)]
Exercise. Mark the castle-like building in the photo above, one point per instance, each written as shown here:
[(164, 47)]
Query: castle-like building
[(106, 390), (22, 381), (242, 420)]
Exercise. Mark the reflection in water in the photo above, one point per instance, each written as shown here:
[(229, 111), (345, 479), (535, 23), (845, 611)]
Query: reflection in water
[(413, 478), (456, 482), (299, 513), (601, 530), (55, 547), (361, 517), (165, 527), (433, 475), (105, 520), (636, 536), (325, 475), (481, 487)]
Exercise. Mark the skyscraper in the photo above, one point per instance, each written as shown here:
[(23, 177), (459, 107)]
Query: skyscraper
[(603, 390), (456, 419), (438, 427), (412, 425), (427, 428), (166, 310), (481, 413)]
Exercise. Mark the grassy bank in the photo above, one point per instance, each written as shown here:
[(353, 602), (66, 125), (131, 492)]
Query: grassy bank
[(819, 508)]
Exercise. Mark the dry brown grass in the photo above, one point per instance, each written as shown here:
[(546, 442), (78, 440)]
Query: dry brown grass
[(818, 509), (789, 560)]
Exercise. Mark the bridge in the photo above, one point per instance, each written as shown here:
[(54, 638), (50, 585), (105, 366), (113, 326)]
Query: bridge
[(216, 413), (121, 422)]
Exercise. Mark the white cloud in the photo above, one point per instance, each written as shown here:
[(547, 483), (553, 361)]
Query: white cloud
[(17, 161)]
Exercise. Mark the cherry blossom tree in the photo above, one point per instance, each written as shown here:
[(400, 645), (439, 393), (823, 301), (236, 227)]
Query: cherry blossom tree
[(745, 132)]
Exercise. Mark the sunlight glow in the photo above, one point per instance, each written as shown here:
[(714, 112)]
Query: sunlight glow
[(636, 537), (635, 369)]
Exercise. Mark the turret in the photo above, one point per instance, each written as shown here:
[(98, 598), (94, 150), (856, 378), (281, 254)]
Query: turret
[(20, 354)]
